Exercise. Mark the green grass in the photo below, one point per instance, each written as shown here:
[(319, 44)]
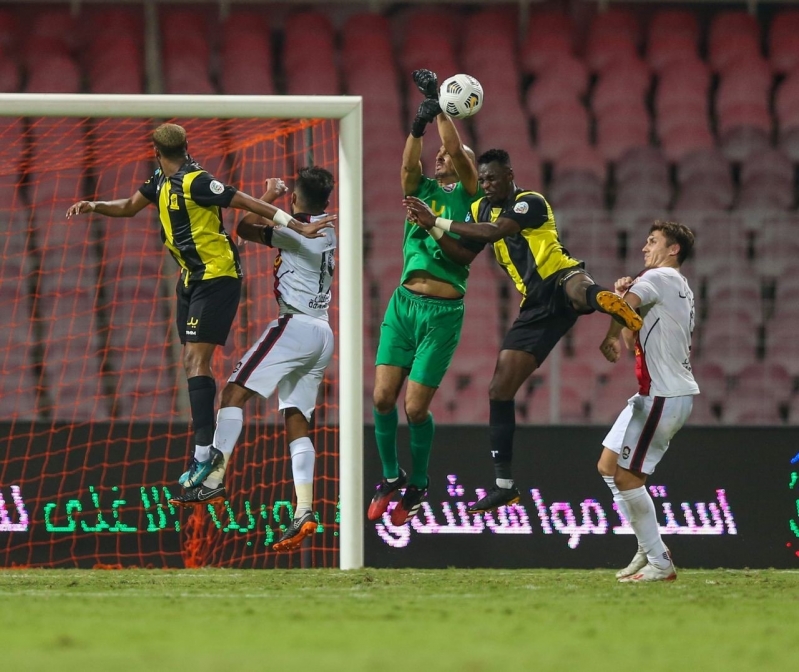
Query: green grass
[(436, 620)]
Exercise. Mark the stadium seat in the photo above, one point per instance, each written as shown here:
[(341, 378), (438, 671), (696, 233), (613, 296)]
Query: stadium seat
[(732, 34), (565, 80), (664, 50), (783, 49), (766, 181), (576, 190), (604, 52), (724, 344), (621, 128), (747, 408), (550, 37), (562, 128), (612, 393), (712, 380)]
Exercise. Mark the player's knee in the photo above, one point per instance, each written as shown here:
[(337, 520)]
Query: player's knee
[(232, 395), (603, 469), (384, 400), (416, 412), (498, 390)]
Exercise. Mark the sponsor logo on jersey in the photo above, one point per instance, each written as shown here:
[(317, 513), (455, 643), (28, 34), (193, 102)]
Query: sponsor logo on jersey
[(217, 187), (521, 207)]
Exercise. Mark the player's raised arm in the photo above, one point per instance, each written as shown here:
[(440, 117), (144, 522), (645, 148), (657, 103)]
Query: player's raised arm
[(482, 232), (121, 207), (461, 160)]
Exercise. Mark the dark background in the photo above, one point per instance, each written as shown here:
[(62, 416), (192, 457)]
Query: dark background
[(56, 465), (752, 465)]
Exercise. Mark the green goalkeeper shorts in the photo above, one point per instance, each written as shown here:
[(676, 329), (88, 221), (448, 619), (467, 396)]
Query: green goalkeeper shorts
[(420, 333)]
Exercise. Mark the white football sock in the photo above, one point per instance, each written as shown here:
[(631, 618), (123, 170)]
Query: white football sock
[(617, 496), (644, 522), (229, 421), (202, 453), (303, 460)]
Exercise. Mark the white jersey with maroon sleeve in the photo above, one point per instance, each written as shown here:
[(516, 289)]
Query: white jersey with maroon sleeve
[(304, 269), (663, 345)]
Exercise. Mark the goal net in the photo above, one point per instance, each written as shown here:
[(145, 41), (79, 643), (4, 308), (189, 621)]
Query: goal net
[(94, 413)]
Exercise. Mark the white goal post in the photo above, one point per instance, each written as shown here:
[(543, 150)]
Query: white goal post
[(349, 111)]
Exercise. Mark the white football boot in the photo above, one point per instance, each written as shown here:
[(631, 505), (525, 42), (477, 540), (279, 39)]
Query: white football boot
[(651, 573), (638, 562)]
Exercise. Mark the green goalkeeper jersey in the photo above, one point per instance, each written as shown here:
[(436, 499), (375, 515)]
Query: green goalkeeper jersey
[(421, 252)]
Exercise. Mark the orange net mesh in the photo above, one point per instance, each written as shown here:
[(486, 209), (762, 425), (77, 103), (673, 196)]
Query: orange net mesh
[(94, 412)]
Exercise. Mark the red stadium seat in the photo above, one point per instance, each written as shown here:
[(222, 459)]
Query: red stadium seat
[(620, 128), (582, 158), (664, 50), (783, 48)]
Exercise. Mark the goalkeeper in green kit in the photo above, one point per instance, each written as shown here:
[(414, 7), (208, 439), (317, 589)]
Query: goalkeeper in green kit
[(423, 320)]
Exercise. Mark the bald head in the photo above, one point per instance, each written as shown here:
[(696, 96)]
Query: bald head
[(170, 141)]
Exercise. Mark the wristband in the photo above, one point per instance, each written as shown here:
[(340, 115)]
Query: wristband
[(443, 224), (436, 234), (281, 219)]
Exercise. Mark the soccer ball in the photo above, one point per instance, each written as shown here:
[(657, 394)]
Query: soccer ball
[(460, 96)]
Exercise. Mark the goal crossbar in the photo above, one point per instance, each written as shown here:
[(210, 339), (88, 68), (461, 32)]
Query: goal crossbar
[(349, 111)]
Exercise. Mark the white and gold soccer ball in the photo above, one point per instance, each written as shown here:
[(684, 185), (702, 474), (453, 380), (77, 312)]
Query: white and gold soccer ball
[(460, 96)]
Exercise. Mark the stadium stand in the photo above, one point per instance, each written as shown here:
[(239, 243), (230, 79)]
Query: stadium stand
[(619, 117)]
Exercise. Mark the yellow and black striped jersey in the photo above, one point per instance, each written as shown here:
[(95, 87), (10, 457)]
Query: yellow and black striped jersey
[(534, 253), (190, 206)]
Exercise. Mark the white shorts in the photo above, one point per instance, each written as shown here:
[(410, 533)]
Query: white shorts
[(291, 355), (642, 432)]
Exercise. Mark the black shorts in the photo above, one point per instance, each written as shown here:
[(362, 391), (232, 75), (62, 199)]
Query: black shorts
[(542, 323), (206, 309)]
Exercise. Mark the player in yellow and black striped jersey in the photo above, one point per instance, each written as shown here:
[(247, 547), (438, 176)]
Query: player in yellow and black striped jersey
[(554, 287), (190, 203)]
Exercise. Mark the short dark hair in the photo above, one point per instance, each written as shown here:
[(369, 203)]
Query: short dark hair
[(676, 234), (315, 184), (498, 155), (170, 140)]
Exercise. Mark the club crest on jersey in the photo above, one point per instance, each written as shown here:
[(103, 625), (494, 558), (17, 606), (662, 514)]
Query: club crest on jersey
[(625, 453), (217, 187), (521, 207)]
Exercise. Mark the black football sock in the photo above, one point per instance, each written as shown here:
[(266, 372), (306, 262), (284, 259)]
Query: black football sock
[(202, 394), (502, 426)]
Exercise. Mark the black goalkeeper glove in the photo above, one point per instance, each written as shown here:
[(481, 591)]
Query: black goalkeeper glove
[(427, 82), (428, 110)]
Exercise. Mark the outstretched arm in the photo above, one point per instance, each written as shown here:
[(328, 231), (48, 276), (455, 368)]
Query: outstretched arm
[(122, 207), (482, 232), (467, 171), (275, 217)]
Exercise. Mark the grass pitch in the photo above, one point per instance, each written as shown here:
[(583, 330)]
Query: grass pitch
[(436, 620)]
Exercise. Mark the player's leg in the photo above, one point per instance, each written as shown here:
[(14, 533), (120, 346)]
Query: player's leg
[(395, 353), (205, 314), (258, 372), (526, 345), (655, 421), (611, 447), (297, 393), (586, 295), (438, 330), (512, 369)]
